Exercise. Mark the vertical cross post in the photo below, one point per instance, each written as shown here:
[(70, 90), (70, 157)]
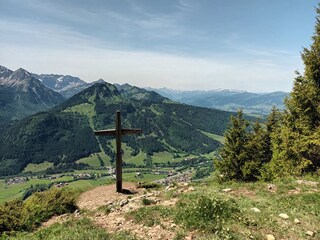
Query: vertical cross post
[(118, 132), (119, 153)]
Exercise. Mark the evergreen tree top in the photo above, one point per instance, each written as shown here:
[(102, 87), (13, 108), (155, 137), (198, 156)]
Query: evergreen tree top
[(311, 57)]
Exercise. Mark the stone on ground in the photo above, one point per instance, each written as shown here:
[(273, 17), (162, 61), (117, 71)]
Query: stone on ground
[(226, 190), (310, 233), (257, 210), (283, 215), (297, 221), (270, 237)]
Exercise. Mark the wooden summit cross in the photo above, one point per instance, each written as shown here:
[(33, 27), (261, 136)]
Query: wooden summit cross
[(118, 132)]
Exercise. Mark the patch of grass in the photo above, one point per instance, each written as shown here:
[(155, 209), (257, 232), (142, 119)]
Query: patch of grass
[(127, 150), (180, 235), (106, 209), (94, 160), (11, 192), (97, 171), (74, 229), (126, 155), (162, 157), (83, 185), (151, 215), (146, 201), (216, 137), (32, 167), (296, 200), (147, 177), (137, 160), (84, 109), (205, 212), (15, 191), (167, 195)]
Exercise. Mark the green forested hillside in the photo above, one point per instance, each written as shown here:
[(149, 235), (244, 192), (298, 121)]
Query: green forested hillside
[(65, 134), (61, 138)]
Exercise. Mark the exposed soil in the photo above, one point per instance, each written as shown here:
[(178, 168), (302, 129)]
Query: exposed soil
[(121, 204), (103, 195), (243, 192)]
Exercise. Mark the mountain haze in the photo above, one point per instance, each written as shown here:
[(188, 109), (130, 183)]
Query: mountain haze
[(228, 100)]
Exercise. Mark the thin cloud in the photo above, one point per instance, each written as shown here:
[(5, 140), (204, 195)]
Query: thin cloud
[(157, 25), (153, 69), (133, 42), (89, 58), (186, 5)]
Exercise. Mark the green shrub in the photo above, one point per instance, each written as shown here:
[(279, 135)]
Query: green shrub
[(35, 188), (41, 206), (204, 212), (25, 216), (146, 201), (10, 216)]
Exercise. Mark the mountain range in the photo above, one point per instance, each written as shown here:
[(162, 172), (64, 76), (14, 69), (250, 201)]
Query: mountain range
[(60, 131), (66, 85), (64, 134), (21, 94), (228, 100), (258, 104)]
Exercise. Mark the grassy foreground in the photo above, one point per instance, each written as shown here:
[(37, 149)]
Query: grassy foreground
[(244, 210), (70, 230), (286, 209), (262, 208)]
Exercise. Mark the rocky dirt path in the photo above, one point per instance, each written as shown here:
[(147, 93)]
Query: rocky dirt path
[(101, 196), (109, 210)]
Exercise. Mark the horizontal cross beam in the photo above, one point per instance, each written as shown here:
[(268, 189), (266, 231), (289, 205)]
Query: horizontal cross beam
[(112, 132)]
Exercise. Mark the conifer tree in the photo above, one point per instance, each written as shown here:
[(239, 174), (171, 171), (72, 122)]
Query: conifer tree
[(233, 154), (245, 153), (256, 148), (272, 128), (296, 148), (304, 104)]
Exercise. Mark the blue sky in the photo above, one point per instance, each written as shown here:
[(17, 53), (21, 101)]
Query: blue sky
[(249, 45)]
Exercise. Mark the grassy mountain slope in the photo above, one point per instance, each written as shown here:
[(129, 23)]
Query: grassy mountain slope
[(65, 133)]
